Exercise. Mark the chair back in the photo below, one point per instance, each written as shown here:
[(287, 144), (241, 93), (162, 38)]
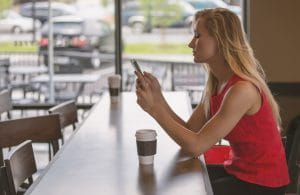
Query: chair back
[(4, 73), (5, 102), (39, 129), (67, 113), (294, 156), (3, 181), (20, 165), (298, 180)]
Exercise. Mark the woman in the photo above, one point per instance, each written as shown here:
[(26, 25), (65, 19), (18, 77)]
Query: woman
[(237, 106)]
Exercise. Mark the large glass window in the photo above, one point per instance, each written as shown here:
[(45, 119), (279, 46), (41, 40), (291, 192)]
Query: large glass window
[(157, 33), (83, 44)]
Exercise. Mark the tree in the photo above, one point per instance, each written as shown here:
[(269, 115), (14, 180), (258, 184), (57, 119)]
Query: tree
[(5, 4), (161, 13), (104, 3)]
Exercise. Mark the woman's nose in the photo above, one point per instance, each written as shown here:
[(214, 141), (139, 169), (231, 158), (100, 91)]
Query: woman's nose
[(191, 44)]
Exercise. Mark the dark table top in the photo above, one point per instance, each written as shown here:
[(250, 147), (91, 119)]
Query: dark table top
[(101, 156)]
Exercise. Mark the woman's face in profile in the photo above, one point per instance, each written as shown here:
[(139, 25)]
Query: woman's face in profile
[(203, 44)]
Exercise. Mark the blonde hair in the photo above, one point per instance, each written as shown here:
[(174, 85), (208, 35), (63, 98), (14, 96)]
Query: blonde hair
[(226, 28)]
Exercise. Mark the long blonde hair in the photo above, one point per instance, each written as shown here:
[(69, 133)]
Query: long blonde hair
[(226, 28)]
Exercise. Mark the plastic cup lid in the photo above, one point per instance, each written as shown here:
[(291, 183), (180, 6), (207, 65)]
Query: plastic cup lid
[(114, 77), (145, 134), (114, 81)]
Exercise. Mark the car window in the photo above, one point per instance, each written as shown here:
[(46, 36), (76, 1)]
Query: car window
[(64, 28), (25, 11), (41, 12), (131, 7), (204, 4), (96, 28), (104, 27), (56, 12), (42, 9)]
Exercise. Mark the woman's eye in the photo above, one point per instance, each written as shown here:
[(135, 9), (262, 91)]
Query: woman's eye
[(196, 35)]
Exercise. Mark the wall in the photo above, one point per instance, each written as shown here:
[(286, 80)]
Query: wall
[(274, 33), (275, 37)]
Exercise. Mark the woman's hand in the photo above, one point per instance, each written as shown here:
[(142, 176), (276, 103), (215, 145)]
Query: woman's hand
[(149, 95)]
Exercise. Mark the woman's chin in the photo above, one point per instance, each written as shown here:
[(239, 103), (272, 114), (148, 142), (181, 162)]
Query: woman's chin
[(197, 60)]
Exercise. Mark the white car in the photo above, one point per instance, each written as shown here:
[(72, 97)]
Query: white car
[(11, 21)]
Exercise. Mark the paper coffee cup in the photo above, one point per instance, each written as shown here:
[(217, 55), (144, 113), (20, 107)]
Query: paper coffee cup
[(146, 145), (114, 84), (114, 81)]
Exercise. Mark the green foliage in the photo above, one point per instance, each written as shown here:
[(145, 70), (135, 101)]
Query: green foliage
[(14, 47), (161, 13), (104, 3), (148, 48), (5, 4)]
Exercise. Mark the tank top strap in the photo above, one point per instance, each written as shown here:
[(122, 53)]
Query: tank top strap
[(231, 82)]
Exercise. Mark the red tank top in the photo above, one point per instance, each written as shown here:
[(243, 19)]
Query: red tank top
[(257, 154)]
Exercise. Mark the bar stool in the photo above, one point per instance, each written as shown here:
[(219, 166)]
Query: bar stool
[(40, 129), (67, 115)]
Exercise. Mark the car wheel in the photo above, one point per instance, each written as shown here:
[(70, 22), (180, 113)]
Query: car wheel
[(138, 27), (17, 30), (95, 60)]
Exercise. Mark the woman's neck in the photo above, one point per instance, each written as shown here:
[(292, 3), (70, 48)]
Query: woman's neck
[(221, 70)]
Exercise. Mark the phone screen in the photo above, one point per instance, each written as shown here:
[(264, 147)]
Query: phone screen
[(136, 66)]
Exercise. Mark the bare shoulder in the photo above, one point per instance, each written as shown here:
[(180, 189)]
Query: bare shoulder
[(243, 96), (244, 89)]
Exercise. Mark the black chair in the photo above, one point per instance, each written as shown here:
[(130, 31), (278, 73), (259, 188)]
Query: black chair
[(5, 103), (298, 180), (4, 190), (293, 153), (4, 73), (20, 166), (67, 114), (40, 129)]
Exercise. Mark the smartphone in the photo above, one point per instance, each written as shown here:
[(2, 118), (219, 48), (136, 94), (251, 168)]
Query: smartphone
[(136, 66)]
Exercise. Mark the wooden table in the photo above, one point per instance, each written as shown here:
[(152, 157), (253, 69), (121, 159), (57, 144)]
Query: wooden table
[(101, 156)]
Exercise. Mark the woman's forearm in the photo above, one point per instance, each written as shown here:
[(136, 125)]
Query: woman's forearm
[(173, 115), (184, 137)]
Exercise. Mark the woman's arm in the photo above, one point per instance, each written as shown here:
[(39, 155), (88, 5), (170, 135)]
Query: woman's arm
[(236, 103), (197, 119)]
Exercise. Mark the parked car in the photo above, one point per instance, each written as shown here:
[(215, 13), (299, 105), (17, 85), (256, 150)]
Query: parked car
[(11, 21), (132, 15), (41, 10), (78, 43), (91, 11), (206, 4)]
